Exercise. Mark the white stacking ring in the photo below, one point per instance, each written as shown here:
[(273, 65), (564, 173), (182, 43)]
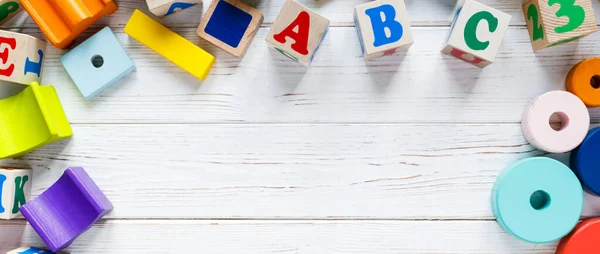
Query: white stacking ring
[(574, 116)]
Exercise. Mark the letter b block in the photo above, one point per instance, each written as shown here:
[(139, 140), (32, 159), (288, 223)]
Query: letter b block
[(15, 189), (297, 32), (383, 27), (554, 22), (476, 33)]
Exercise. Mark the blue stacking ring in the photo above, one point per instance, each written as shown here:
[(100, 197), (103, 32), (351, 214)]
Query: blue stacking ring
[(586, 164), (538, 200)]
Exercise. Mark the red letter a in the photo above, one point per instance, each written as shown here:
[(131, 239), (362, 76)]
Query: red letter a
[(301, 37)]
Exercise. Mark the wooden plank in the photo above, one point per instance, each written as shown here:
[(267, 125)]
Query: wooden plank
[(421, 13), (290, 170), (218, 236), (420, 86)]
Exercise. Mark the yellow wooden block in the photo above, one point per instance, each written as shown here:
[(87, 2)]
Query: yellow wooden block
[(31, 119), (169, 45)]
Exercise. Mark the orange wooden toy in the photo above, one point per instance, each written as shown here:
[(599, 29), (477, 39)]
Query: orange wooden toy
[(582, 240), (584, 81), (63, 20)]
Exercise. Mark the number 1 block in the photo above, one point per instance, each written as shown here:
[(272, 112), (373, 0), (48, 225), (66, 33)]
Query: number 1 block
[(383, 28), (15, 189), (476, 33), (554, 22)]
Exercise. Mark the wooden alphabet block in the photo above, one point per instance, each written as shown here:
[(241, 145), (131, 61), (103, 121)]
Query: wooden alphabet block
[(22, 57), (297, 32), (170, 45), (97, 63), (162, 8), (383, 27), (8, 9), (67, 209), (230, 25), (33, 250), (476, 33), (554, 22), (15, 189), (62, 21)]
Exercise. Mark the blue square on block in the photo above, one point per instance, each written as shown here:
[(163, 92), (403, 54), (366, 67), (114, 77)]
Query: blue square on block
[(228, 23), (97, 63)]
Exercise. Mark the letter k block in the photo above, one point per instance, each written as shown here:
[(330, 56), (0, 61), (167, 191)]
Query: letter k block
[(383, 28)]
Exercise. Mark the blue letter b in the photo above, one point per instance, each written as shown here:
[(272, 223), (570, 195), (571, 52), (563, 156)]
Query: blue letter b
[(379, 25)]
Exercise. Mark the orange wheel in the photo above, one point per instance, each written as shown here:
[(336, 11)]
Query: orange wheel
[(584, 81), (582, 240)]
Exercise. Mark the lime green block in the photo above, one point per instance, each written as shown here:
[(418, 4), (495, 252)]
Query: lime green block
[(31, 119)]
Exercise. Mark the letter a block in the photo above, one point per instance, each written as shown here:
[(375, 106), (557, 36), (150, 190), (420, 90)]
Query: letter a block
[(476, 33), (15, 189), (297, 32), (21, 57), (554, 22), (167, 7), (230, 25), (383, 27)]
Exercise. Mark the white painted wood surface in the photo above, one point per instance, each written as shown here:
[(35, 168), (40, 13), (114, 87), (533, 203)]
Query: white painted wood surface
[(397, 155)]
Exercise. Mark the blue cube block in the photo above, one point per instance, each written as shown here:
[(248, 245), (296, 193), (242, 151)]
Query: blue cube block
[(97, 63)]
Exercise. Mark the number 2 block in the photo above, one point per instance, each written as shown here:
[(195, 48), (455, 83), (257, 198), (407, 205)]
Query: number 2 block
[(15, 189), (297, 32), (383, 28), (554, 22), (476, 33)]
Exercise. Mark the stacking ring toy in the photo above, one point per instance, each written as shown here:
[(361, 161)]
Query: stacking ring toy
[(574, 117), (583, 239), (538, 200), (584, 81), (585, 162)]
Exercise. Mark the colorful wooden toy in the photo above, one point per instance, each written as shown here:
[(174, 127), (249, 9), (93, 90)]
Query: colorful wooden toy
[(583, 239), (63, 21), (67, 209), (169, 45), (8, 9), (15, 189), (97, 63), (476, 33), (574, 117), (162, 8), (230, 25), (538, 200), (585, 163), (32, 250), (554, 22), (383, 28), (297, 32), (22, 57), (584, 80), (31, 119)]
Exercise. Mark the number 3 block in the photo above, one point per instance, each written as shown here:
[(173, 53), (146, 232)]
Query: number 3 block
[(554, 22), (476, 33), (383, 27)]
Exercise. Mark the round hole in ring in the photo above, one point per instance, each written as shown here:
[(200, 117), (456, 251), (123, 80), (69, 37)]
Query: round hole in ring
[(558, 121), (595, 81), (97, 61), (539, 200)]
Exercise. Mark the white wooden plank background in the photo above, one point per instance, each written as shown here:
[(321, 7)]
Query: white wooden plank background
[(397, 155)]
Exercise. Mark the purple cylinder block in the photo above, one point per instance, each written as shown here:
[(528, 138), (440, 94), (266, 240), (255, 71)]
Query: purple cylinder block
[(67, 209)]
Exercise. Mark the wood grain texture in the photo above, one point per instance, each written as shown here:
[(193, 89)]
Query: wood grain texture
[(290, 171), (217, 236), (421, 86)]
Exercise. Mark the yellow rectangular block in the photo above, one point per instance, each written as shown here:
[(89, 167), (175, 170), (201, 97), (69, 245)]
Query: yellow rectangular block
[(169, 44)]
